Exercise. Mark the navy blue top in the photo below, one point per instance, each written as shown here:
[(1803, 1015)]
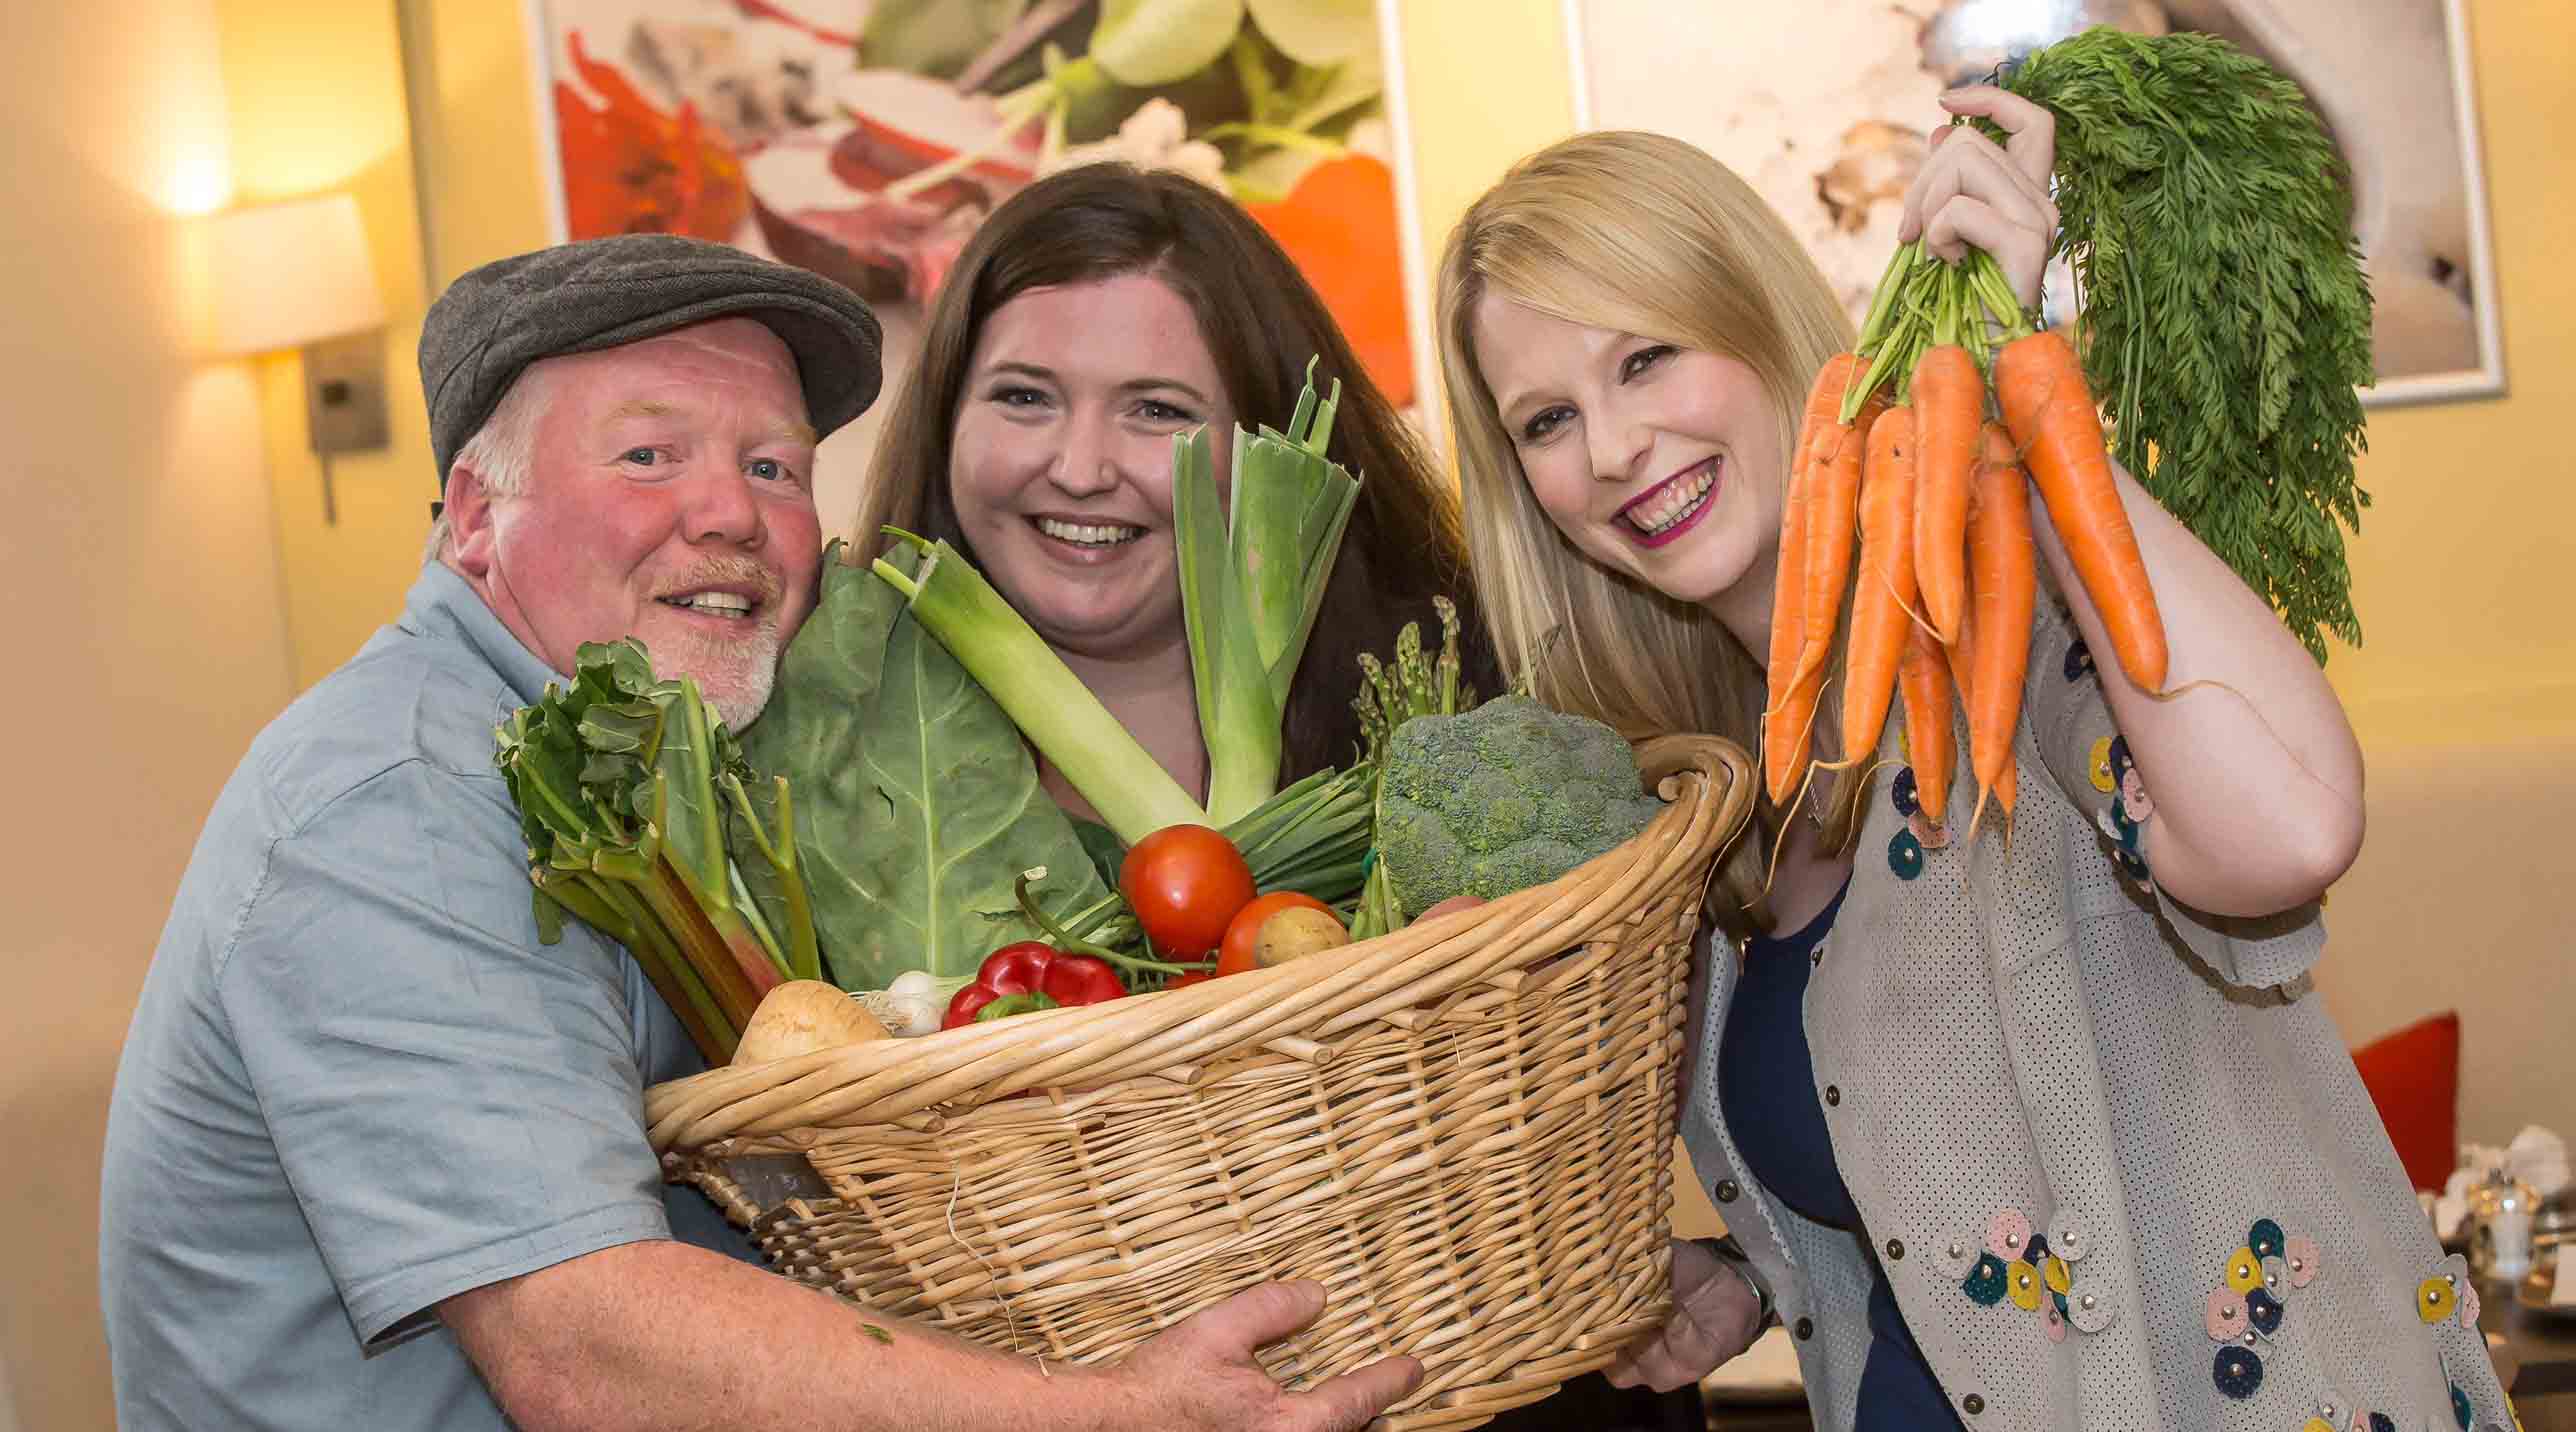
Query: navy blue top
[(1766, 1086)]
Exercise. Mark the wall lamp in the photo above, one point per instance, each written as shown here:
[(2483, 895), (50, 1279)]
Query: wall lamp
[(297, 275)]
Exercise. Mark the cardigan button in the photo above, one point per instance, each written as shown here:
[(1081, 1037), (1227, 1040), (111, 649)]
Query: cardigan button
[(1806, 1328), (1972, 1404), (1833, 1094), (1895, 1249), (1726, 1190)]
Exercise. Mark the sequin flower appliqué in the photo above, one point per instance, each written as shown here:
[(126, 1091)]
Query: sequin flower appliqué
[(2249, 1305), (2032, 1271)]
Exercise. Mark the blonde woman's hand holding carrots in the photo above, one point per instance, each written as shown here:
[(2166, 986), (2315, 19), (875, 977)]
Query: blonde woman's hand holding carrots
[(1973, 191)]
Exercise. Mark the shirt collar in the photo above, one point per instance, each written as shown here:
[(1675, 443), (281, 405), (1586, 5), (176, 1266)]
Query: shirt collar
[(442, 602)]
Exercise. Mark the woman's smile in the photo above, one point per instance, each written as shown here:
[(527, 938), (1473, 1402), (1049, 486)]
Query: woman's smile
[(1088, 534), (1085, 541), (1673, 506)]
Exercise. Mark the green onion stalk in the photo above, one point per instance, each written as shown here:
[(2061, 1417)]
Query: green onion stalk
[(1066, 934)]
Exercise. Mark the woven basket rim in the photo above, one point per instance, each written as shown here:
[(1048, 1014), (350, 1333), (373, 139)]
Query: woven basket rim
[(1294, 1009)]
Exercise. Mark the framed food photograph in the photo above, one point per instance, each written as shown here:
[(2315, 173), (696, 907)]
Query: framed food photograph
[(1823, 107), (866, 139)]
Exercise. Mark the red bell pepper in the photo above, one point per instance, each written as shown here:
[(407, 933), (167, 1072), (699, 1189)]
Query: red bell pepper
[(1032, 975)]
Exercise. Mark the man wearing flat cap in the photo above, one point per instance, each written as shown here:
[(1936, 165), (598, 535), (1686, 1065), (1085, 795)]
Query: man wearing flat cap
[(375, 1156)]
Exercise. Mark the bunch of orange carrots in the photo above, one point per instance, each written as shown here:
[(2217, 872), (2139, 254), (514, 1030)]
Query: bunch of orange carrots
[(1901, 455)]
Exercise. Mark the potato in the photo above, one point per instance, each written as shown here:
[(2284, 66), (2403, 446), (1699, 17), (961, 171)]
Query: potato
[(1452, 906), (802, 1016), (1294, 931)]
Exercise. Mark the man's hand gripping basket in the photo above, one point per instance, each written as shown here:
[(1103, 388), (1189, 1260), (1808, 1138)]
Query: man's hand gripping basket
[(1463, 1130)]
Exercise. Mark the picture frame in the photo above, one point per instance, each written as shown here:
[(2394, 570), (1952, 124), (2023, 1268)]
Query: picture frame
[(782, 75)]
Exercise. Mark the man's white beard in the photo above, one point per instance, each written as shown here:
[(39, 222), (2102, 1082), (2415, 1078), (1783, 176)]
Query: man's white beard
[(745, 668)]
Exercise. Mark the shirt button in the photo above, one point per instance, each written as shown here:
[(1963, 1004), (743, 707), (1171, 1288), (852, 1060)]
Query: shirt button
[(1726, 1190), (1806, 1328), (1833, 1094), (1972, 1404), (1895, 1248)]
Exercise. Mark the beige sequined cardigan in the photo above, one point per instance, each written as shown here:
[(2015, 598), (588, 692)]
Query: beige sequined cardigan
[(2111, 1153)]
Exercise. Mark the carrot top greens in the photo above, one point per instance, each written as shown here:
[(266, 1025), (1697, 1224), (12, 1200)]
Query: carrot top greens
[(2226, 317)]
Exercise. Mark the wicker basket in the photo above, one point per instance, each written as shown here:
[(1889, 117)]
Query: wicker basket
[(1463, 1130)]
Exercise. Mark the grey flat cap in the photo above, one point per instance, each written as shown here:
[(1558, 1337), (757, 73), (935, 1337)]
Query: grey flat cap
[(599, 293)]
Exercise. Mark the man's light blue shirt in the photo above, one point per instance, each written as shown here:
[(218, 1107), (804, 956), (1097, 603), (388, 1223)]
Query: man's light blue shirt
[(356, 1084)]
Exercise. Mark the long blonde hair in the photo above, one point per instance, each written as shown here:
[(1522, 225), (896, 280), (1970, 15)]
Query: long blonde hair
[(1650, 236)]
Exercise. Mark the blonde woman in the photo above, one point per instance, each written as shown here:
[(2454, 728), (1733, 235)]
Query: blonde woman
[(2011, 1136)]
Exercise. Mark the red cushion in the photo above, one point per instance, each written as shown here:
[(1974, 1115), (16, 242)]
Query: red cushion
[(2413, 1075)]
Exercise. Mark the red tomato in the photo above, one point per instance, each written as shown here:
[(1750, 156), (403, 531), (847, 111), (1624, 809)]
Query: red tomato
[(1236, 955), (1185, 882)]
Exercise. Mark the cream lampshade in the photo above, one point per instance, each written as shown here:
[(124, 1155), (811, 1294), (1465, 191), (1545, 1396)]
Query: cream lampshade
[(297, 275)]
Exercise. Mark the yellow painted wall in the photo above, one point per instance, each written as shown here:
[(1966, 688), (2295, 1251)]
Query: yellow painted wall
[(1486, 81), (147, 640), (470, 77), (2465, 693), (317, 104)]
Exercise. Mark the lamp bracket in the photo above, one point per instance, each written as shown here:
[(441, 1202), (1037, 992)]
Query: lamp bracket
[(344, 393)]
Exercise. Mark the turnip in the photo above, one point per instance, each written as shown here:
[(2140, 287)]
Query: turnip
[(801, 1017)]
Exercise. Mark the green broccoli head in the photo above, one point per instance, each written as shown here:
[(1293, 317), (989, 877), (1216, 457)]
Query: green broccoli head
[(1506, 796)]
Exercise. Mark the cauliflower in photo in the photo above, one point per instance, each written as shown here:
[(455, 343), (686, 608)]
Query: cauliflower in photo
[(1156, 136)]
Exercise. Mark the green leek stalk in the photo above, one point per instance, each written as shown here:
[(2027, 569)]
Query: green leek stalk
[(1312, 836), (953, 602), (1250, 589)]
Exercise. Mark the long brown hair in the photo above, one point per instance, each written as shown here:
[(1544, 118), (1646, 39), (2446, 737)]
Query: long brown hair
[(1263, 323), (1651, 236)]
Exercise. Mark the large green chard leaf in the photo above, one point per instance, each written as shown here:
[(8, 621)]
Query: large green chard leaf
[(958, 815), (809, 733), (917, 803)]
